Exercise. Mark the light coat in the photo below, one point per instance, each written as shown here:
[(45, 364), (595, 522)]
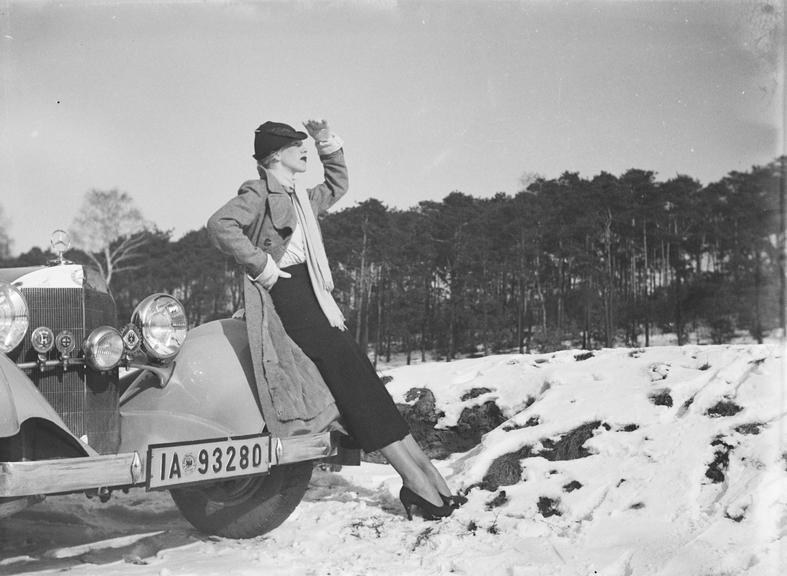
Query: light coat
[(255, 225)]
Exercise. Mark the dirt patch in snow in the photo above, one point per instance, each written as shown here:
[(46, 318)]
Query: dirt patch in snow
[(750, 428), (662, 398), (721, 461), (723, 408), (548, 507), (507, 469), (500, 499), (474, 393), (422, 417), (571, 445)]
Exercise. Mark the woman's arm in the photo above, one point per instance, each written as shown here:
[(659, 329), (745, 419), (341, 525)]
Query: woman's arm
[(227, 229), (336, 183), (329, 147)]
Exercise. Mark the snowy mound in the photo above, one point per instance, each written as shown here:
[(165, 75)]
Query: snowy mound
[(663, 461), (672, 455)]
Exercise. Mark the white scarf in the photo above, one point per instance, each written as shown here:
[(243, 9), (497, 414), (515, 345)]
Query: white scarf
[(317, 260)]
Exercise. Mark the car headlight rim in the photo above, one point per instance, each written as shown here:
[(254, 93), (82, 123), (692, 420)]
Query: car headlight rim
[(104, 348), (162, 323), (14, 317)]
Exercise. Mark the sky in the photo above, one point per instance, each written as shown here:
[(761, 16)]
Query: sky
[(161, 99)]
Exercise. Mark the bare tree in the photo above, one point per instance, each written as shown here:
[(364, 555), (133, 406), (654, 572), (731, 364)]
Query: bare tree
[(5, 239), (110, 230), (527, 178)]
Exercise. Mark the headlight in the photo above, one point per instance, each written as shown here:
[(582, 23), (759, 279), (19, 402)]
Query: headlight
[(14, 317), (162, 321), (103, 348)]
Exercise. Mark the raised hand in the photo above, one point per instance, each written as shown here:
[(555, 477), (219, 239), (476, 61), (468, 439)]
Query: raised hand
[(318, 129)]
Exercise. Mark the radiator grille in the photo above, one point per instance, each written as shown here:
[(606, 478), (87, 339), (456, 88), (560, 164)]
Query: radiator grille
[(87, 401)]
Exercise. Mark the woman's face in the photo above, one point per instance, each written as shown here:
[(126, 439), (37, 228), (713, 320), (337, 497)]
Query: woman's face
[(294, 157)]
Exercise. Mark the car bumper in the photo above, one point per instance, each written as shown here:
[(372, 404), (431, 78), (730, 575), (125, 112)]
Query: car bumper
[(61, 476)]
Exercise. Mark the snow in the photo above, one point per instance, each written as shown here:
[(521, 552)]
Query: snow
[(692, 488)]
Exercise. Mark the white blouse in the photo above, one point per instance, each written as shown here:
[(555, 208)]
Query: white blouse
[(296, 249)]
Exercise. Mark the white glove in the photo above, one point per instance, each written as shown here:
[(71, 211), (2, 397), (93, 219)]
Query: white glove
[(270, 274), (329, 146)]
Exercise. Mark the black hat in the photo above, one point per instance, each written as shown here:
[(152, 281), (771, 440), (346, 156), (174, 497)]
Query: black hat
[(272, 136)]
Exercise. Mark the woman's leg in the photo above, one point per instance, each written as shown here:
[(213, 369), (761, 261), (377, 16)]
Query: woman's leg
[(425, 464), (412, 473)]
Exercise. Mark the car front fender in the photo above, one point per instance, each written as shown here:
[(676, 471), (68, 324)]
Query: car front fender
[(210, 393), (21, 401)]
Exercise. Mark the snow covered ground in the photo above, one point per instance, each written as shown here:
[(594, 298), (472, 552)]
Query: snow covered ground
[(659, 461)]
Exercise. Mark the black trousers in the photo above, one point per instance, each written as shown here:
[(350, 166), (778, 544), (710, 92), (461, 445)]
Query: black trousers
[(367, 409)]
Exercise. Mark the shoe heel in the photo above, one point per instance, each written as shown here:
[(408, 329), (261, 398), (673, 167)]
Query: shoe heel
[(406, 501)]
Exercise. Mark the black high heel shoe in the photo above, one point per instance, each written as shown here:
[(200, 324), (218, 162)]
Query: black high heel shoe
[(454, 501), (428, 510)]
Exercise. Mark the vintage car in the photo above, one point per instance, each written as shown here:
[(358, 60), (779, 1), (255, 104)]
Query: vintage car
[(182, 417)]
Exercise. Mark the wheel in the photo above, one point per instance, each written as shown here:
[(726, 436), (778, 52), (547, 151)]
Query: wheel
[(246, 507)]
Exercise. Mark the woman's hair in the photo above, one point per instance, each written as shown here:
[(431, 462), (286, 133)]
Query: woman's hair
[(267, 162)]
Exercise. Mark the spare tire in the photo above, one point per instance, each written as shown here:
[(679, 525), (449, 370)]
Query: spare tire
[(245, 507)]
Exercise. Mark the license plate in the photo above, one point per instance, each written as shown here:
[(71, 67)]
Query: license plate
[(204, 460)]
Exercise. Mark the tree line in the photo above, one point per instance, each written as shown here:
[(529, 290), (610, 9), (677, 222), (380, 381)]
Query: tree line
[(565, 262)]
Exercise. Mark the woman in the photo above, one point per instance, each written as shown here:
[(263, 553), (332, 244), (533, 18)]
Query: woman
[(271, 229)]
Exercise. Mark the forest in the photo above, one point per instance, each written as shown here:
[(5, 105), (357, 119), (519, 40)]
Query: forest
[(568, 262)]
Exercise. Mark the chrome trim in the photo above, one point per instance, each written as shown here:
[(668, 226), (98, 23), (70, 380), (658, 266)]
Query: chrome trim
[(279, 450), (137, 470), (65, 364), (63, 475), (163, 371)]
